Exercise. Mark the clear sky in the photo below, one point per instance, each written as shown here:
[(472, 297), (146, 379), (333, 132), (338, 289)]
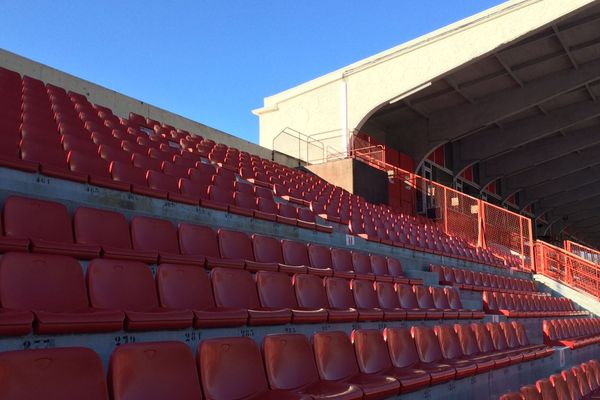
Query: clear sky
[(214, 61)]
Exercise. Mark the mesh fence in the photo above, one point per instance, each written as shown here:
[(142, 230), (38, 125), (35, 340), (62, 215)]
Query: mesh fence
[(508, 233), (583, 251), (564, 266)]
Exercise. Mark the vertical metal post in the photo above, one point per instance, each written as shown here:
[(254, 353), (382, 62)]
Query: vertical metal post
[(521, 242)]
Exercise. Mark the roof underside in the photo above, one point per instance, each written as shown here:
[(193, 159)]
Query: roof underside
[(528, 113)]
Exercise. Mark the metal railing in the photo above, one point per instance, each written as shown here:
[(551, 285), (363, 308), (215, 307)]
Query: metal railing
[(566, 267), (582, 251)]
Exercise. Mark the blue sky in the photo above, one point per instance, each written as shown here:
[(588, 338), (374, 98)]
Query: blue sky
[(215, 61)]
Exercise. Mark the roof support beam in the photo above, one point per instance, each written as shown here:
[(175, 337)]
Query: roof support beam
[(553, 169), (537, 153), (494, 142), (565, 183)]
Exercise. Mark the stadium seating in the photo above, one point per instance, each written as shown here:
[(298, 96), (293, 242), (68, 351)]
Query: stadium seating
[(573, 333), (579, 382), (479, 281), (528, 305), (66, 373)]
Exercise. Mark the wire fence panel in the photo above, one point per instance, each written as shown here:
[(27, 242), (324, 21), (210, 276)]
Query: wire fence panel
[(564, 266), (582, 251)]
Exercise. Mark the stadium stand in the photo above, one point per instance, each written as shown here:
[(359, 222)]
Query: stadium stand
[(140, 260)]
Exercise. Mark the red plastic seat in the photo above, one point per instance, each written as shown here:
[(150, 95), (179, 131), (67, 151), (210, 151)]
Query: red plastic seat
[(530, 392), (53, 288), (187, 287), (275, 291), (343, 265), (511, 396), (52, 159), (452, 352), (159, 237), (296, 254), (290, 365), (456, 304), (546, 389), (361, 263), (373, 358), (220, 199), (365, 298), (234, 245), (572, 384), (408, 301), (339, 294), (46, 224), (235, 288), (395, 269), (154, 371), (500, 344), (268, 250), (320, 260), (8, 243), (380, 269), (244, 204), (486, 346), (96, 169), (201, 241), (232, 368), (287, 214), (470, 350), (580, 376), (430, 354), (136, 177), (440, 301), (129, 286), (142, 161), (336, 361), (311, 293), (52, 374), (110, 231), (561, 388)]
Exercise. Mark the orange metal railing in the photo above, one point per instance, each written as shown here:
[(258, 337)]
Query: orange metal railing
[(566, 267), (478, 222), (582, 251)]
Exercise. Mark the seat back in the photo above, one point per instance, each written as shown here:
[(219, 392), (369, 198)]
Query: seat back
[(40, 282), (63, 373), (466, 339), (482, 335), (339, 293), (361, 263), (121, 285), (406, 296), (521, 333), (572, 384), (267, 249), (497, 335), (546, 389), (371, 351), (401, 347), (427, 345), (231, 368), (153, 371), (275, 290), (235, 245), (453, 297), (449, 342), (184, 287), (37, 219), (394, 267), (295, 253), (386, 295), (582, 381), (310, 291), (334, 355), (379, 265), (101, 227), (423, 296), (440, 300), (289, 361), (320, 256), (364, 293), (234, 288), (530, 392), (561, 388), (154, 234), (198, 240)]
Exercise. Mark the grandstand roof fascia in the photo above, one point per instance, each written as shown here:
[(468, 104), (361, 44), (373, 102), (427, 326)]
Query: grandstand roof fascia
[(491, 15)]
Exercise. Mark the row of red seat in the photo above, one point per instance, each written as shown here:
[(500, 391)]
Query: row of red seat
[(51, 291), (580, 382), (368, 365), (76, 125), (479, 281), (107, 233), (528, 305), (573, 333)]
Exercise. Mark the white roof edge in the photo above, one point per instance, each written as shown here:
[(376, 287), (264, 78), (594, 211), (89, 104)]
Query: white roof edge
[(270, 102)]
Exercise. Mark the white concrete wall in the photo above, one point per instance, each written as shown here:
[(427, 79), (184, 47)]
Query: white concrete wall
[(122, 105), (342, 100)]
